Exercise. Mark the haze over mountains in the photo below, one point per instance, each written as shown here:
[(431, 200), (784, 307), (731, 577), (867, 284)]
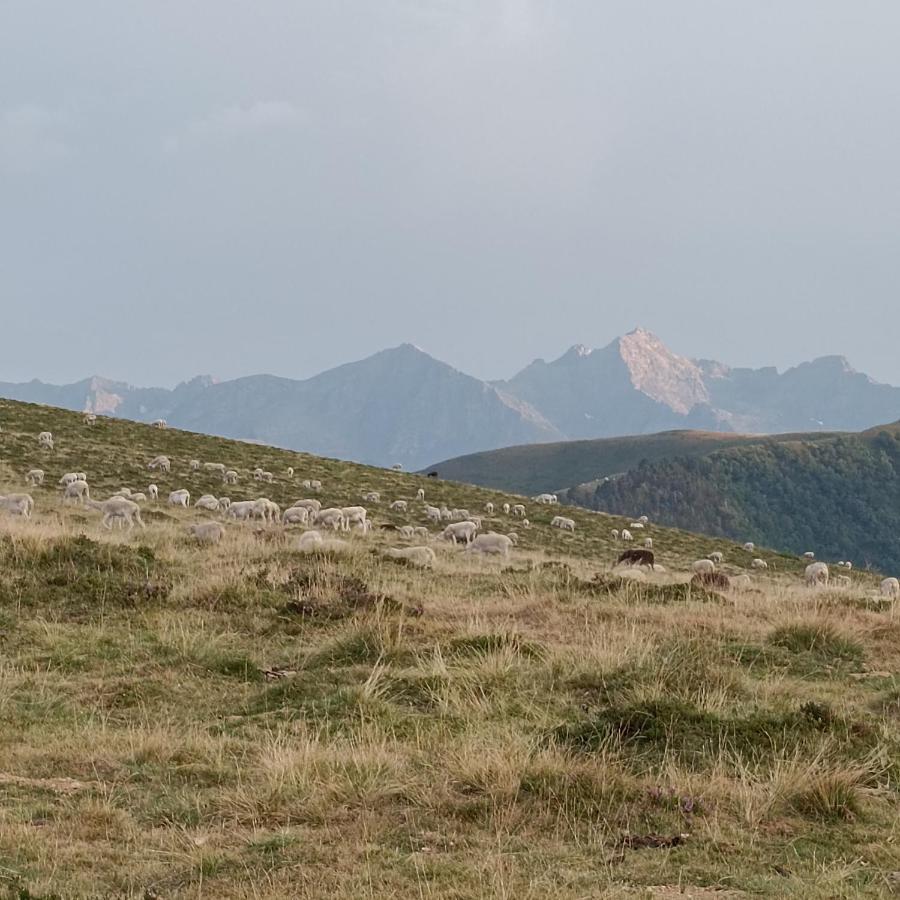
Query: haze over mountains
[(403, 406)]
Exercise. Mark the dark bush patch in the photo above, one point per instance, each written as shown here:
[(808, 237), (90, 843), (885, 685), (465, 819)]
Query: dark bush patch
[(820, 642)]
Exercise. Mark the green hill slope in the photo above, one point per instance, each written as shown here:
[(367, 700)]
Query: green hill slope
[(244, 720), (839, 496), (532, 469)]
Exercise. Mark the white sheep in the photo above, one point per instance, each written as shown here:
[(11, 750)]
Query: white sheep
[(421, 531), (331, 518), (81, 476), (308, 541), (562, 522), (636, 525), (423, 557), (206, 532), (548, 499), (703, 566), (432, 513), (506, 508), (18, 504), (69, 477), (648, 543), (78, 491), (463, 531), (180, 497), (207, 501), (644, 520), (526, 523), (218, 468), (489, 508), (372, 497), (241, 509), (289, 471), (315, 485), (398, 505), (153, 492), (230, 477), (519, 510), (296, 515), (163, 463), (406, 532), (843, 581), (138, 497), (890, 587), (808, 555), (626, 535), (194, 464), (45, 440), (159, 423), (491, 542), (266, 510), (759, 564), (615, 534), (118, 511), (312, 505), (35, 477), (749, 546), (90, 418), (816, 573), (420, 494), (716, 556), (353, 515), (446, 514)]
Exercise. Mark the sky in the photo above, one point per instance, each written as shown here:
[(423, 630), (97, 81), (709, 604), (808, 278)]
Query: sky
[(231, 187)]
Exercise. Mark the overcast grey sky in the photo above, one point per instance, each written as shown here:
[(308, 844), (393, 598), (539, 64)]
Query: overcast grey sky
[(237, 187)]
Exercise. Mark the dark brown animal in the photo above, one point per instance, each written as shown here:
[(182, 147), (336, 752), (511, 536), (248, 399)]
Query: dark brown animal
[(636, 558), (714, 580), (432, 475)]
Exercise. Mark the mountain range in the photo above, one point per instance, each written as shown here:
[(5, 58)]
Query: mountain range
[(403, 406)]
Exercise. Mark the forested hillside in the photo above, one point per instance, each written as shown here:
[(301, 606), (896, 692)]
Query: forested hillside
[(839, 497)]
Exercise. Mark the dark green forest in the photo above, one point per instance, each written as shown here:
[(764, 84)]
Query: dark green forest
[(839, 497)]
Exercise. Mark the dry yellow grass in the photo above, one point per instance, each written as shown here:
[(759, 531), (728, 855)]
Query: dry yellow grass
[(523, 728)]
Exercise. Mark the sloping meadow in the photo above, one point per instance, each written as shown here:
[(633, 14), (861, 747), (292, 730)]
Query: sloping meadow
[(243, 720)]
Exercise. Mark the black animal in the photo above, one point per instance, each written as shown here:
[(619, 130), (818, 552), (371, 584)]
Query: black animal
[(636, 558), (432, 475)]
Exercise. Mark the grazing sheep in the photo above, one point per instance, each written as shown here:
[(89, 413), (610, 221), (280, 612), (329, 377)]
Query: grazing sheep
[(69, 477), (493, 543), (506, 508), (397, 467), (626, 535), (890, 587), (35, 477), (648, 543), (45, 440), (548, 499), (808, 555), (406, 532), (81, 476), (312, 505), (118, 511), (180, 498), (446, 514), (353, 515), (421, 531), (365, 526), (749, 546), (289, 471), (519, 510), (18, 504), (458, 515), (644, 520), (330, 518), (816, 574), (267, 510), (845, 564), (242, 509), (562, 522), (526, 523), (423, 557), (315, 485), (759, 564), (615, 534), (513, 537), (399, 505), (138, 497), (163, 463), (296, 515), (309, 541), (268, 478), (90, 418), (702, 566), (372, 497), (463, 531), (77, 491), (153, 492), (230, 477), (224, 503), (159, 423), (257, 474), (207, 501), (636, 525), (489, 508), (194, 464), (636, 558), (420, 494), (716, 557), (206, 532), (219, 468), (433, 514)]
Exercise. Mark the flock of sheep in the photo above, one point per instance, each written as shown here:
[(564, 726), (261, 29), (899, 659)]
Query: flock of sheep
[(323, 524)]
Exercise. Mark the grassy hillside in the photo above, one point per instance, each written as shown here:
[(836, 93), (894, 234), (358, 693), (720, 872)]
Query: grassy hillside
[(839, 496), (243, 720), (533, 468)]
